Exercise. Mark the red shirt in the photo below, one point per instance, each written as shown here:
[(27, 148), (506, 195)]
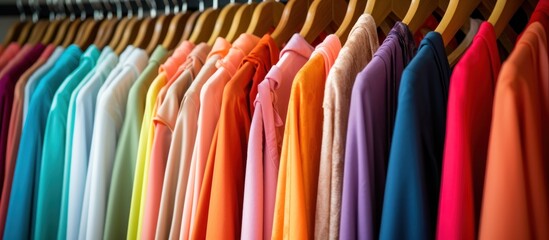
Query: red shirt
[(467, 135)]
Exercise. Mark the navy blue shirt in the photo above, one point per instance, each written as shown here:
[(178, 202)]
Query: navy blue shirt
[(413, 176)]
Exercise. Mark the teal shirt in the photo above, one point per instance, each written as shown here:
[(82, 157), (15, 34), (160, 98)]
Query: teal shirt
[(22, 206), (53, 151), (106, 62)]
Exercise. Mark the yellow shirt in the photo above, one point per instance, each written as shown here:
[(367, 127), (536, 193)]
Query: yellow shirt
[(167, 71), (294, 215), (145, 143)]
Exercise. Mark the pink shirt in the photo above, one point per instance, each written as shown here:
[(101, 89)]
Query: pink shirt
[(164, 122), (210, 107), (271, 105)]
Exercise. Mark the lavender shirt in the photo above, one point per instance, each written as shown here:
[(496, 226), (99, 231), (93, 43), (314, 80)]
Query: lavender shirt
[(371, 121)]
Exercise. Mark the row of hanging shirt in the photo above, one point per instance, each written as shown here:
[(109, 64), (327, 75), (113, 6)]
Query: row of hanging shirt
[(243, 140)]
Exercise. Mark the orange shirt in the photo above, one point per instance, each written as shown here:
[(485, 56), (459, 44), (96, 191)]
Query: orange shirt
[(221, 218), (515, 204), (294, 215)]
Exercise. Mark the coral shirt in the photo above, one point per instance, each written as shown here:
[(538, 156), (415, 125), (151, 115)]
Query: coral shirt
[(515, 191), (219, 216)]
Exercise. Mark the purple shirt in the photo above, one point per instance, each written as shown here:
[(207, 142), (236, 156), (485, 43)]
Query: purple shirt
[(371, 121), (10, 74)]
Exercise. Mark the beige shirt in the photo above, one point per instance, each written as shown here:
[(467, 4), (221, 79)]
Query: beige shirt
[(353, 57)]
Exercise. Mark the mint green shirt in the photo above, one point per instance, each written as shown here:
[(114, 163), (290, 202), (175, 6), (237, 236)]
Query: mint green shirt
[(120, 193), (53, 150), (106, 62)]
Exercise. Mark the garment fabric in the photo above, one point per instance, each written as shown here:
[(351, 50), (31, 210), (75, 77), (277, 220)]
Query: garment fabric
[(22, 206), (106, 129), (210, 106), (470, 103), (164, 121), (294, 211), (265, 139), (353, 57), (14, 132), (50, 183), (8, 79), (417, 146), (182, 138), (80, 122), (8, 54), (514, 205), (219, 213), (33, 81), (371, 120), (166, 72), (80, 177), (118, 205)]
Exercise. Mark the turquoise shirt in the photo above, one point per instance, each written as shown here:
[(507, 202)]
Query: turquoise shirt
[(22, 206), (50, 182), (107, 60)]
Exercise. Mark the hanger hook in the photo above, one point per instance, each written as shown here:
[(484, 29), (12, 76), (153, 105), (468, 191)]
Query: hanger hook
[(22, 14), (36, 10), (81, 8), (139, 9), (128, 6), (167, 7), (118, 8), (215, 4), (201, 6), (108, 7), (152, 9)]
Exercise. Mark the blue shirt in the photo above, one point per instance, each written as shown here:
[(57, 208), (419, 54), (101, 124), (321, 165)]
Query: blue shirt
[(50, 183), (413, 176), (22, 206)]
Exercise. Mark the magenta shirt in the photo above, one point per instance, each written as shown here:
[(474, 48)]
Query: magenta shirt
[(10, 74)]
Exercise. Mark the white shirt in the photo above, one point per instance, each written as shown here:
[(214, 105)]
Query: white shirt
[(81, 106), (81, 171), (110, 112)]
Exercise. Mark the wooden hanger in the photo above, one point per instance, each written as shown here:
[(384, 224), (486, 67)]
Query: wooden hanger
[(323, 15), (71, 33), (456, 14), (51, 31), (292, 20), (176, 28), (129, 33), (38, 30), (146, 29), (224, 22), (118, 32), (89, 33), (25, 32), (266, 16), (106, 29), (189, 26), (381, 9), (502, 14), (354, 10), (204, 26), (242, 19), (17, 27), (418, 12), (161, 27), (62, 32), (14, 32)]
